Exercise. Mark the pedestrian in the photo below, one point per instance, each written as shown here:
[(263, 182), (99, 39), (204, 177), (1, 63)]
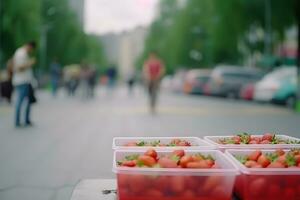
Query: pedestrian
[(153, 71), (85, 74), (22, 80), (55, 73), (112, 76), (6, 84), (92, 81), (130, 81)]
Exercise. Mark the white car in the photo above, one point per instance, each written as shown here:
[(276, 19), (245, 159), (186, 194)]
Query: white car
[(265, 89)]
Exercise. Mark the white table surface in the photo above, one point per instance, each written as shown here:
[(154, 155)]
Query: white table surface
[(92, 189)]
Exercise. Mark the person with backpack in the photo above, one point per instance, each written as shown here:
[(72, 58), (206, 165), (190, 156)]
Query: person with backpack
[(153, 71)]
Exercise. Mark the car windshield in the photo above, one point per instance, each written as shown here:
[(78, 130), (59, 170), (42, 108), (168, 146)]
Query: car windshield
[(203, 78), (282, 74), (241, 75)]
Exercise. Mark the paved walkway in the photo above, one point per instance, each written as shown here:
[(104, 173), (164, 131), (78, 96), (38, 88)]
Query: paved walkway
[(71, 139)]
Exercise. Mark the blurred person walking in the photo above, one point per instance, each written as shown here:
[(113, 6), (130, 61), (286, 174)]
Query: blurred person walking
[(85, 75), (71, 75), (153, 71), (6, 83), (92, 81), (112, 76), (55, 73), (22, 80), (130, 81)]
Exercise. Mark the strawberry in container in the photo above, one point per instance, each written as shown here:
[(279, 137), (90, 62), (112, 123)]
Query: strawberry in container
[(249, 141), (267, 174), (160, 143), (173, 175)]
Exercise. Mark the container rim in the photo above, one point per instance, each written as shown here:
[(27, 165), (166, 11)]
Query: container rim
[(205, 144), (259, 171), (252, 146), (178, 171)]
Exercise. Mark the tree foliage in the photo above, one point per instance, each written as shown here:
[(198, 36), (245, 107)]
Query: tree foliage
[(206, 32), (19, 22), (22, 21)]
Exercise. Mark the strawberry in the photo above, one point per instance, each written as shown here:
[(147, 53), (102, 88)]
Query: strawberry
[(254, 155), (263, 161), (268, 136), (250, 163), (276, 165)]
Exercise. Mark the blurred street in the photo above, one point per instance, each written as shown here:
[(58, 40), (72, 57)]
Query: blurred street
[(72, 140)]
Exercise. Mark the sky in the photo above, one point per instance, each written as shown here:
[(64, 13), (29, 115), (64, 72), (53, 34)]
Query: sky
[(104, 16)]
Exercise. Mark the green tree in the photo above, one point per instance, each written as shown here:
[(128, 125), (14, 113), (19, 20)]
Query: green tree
[(19, 22), (66, 39), (53, 20), (208, 32)]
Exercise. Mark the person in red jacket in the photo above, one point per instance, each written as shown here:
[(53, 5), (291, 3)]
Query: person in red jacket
[(153, 71)]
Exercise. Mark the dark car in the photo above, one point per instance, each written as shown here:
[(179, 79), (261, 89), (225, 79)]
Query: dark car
[(227, 81)]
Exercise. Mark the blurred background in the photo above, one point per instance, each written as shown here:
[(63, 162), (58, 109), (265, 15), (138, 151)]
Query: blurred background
[(226, 66)]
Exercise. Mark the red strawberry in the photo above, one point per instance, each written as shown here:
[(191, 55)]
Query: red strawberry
[(276, 165), (263, 161), (268, 136), (250, 163), (254, 155)]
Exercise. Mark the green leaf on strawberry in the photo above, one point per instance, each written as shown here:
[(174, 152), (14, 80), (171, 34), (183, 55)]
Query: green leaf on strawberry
[(140, 163), (141, 143), (272, 156), (132, 157), (245, 137), (242, 159), (119, 163), (290, 160), (208, 157), (155, 143), (175, 158)]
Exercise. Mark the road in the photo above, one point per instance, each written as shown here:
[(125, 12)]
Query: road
[(72, 137)]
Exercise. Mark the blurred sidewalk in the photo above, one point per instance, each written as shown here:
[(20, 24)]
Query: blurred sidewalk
[(71, 139)]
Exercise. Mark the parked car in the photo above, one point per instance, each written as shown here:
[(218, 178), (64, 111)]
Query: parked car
[(247, 91), (177, 81), (196, 80), (227, 81), (279, 86)]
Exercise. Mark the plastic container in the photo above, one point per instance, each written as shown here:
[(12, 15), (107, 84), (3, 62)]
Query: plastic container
[(175, 183), (213, 140), (265, 183), (196, 143)]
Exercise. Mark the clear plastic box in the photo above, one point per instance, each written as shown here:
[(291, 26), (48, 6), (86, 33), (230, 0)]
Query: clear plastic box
[(175, 183), (265, 183), (196, 143), (213, 140)]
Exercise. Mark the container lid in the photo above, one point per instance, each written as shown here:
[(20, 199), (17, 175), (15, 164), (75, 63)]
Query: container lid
[(227, 168), (258, 171), (197, 143)]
